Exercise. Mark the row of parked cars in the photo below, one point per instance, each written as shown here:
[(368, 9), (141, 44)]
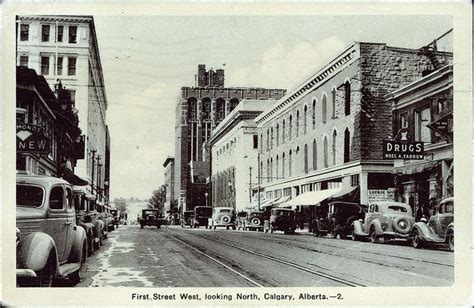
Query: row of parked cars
[(57, 227), (378, 222)]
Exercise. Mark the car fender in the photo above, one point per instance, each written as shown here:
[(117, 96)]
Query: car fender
[(77, 245), (358, 227), (89, 228), (449, 229), (377, 225), (423, 230), (34, 250), (98, 226)]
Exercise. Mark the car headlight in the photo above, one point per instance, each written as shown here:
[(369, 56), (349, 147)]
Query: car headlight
[(18, 234)]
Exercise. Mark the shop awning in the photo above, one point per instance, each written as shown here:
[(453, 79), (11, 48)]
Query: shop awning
[(347, 194), (73, 179), (312, 197), (281, 201), (267, 202)]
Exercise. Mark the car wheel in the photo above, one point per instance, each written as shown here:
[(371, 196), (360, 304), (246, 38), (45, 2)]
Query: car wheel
[(233, 228), (316, 232), (354, 236), (451, 241), (373, 236), (75, 277), (45, 276), (342, 235), (90, 246), (332, 231), (416, 241), (271, 229)]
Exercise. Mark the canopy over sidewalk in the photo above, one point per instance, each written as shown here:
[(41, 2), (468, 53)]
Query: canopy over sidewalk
[(312, 197)]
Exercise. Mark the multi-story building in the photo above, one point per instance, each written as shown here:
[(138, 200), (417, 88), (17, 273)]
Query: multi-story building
[(234, 152), (423, 112), (65, 49), (199, 110), (328, 131), (169, 184)]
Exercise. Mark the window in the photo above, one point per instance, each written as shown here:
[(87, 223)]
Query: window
[(283, 165), (334, 146), (315, 156), (70, 203), (277, 134), (268, 139), (271, 169), (324, 109), (255, 141), (422, 132), (283, 133), (268, 170), (72, 34), (45, 33), (60, 33), (290, 127), (271, 138), (297, 123), (305, 120), (347, 145), (404, 120), (277, 166), (305, 158), (24, 32), (314, 114), (71, 66), (45, 65), (261, 141), (347, 98), (289, 164), (24, 61), (56, 198), (326, 164), (333, 94), (72, 94), (59, 66), (354, 180)]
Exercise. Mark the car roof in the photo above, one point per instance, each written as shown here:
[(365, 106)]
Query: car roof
[(449, 199), (40, 180), (224, 207), (388, 203)]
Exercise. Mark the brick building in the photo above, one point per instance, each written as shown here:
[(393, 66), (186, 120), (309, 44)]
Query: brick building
[(199, 110), (328, 131)]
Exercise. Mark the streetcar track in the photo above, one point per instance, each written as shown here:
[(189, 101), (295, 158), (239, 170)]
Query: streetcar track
[(286, 262)]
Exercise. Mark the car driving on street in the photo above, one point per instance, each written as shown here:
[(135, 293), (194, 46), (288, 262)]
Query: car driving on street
[(150, 217), (223, 217), (201, 216), (282, 219)]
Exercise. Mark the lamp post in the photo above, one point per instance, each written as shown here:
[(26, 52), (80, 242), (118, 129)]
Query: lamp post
[(206, 194)]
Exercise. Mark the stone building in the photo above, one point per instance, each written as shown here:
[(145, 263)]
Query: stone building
[(65, 49), (423, 111), (198, 112), (328, 131), (169, 183), (234, 151)]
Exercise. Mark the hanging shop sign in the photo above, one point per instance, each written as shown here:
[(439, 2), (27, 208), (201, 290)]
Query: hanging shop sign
[(31, 139), (403, 150), (443, 125)]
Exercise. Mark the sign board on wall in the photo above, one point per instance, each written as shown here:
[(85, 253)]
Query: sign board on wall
[(375, 195), (31, 139), (403, 149)]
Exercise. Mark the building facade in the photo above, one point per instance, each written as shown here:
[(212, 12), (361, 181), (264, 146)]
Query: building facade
[(198, 112), (169, 184), (328, 131), (423, 112), (234, 152), (65, 49)]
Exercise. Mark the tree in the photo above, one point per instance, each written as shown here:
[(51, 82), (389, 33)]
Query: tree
[(158, 199)]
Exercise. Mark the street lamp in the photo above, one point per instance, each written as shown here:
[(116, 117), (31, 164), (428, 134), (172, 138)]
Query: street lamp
[(206, 194)]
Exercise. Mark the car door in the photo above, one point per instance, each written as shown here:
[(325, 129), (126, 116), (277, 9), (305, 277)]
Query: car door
[(70, 221), (57, 221)]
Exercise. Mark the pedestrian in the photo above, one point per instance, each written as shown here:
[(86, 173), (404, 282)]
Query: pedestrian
[(421, 212)]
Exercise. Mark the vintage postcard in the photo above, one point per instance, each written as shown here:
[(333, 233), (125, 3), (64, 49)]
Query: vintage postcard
[(236, 153)]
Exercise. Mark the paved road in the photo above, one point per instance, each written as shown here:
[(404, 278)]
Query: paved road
[(176, 257)]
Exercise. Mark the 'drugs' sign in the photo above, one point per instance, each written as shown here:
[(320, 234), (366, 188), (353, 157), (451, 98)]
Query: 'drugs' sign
[(403, 150), (31, 139)]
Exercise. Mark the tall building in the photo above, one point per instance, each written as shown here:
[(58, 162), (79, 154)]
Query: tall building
[(328, 132), (65, 49), (199, 110), (169, 184)]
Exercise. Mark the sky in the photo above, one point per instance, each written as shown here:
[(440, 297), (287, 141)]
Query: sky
[(147, 59)]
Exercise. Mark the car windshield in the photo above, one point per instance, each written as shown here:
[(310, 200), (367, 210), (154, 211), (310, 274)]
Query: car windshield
[(225, 211), (396, 208), (346, 208), (449, 207), (283, 213), (27, 195), (256, 214), (203, 211), (149, 213)]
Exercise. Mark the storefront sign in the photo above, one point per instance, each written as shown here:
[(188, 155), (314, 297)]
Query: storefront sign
[(403, 150), (31, 139), (375, 195), (443, 125)]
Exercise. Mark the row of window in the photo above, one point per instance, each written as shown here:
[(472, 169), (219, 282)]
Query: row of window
[(284, 159), (46, 33), (270, 136)]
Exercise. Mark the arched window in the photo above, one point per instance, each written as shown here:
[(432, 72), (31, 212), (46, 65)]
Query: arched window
[(283, 165), (278, 134), (347, 98), (233, 102), (305, 158), (276, 168), (268, 170), (271, 138), (206, 108), (289, 164), (297, 123), (324, 109), (290, 127), (271, 169), (326, 164), (314, 113), (333, 103), (192, 109), (268, 139), (347, 141), (283, 133), (315, 156), (220, 109), (305, 119), (261, 142), (334, 147), (261, 169)]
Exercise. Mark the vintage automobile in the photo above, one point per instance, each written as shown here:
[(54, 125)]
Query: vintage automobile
[(254, 221), (282, 219), (387, 220), (241, 220), (341, 215), (103, 217), (438, 229), (150, 217), (187, 218), (49, 244), (116, 215), (109, 218), (201, 216), (320, 220), (223, 217)]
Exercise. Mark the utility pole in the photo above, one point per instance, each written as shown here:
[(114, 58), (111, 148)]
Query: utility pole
[(93, 170), (258, 180), (99, 175), (250, 184)]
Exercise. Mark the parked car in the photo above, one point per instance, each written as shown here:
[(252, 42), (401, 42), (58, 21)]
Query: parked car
[(223, 217), (109, 218), (438, 229), (254, 221), (86, 217), (341, 215), (320, 220), (187, 218), (103, 217), (49, 244), (282, 219), (150, 217), (116, 216), (385, 220), (201, 216), (241, 220)]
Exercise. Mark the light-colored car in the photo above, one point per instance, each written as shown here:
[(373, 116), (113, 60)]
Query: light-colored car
[(439, 228), (385, 220), (87, 218), (49, 243), (223, 217)]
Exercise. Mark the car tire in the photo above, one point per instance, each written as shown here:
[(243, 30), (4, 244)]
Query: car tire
[(75, 277), (316, 232), (332, 231), (45, 276), (271, 230), (373, 236), (342, 235), (416, 240), (354, 236), (450, 240), (90, 246)]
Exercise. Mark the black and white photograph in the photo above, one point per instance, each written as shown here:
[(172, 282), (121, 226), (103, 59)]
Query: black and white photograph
[(237, 157)]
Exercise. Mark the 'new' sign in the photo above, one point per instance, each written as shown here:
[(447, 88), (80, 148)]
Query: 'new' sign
[(31, 139)]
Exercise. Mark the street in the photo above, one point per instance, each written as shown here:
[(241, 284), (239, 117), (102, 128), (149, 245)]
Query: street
[(176, 257)]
